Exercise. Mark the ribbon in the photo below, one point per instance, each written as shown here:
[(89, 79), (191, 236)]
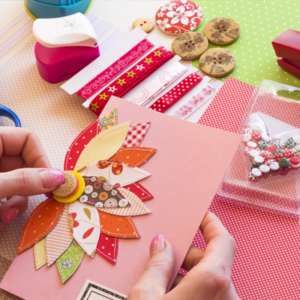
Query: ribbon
[(128, 80), (167, 100), (192, 104), (115, 69), (158, 84)]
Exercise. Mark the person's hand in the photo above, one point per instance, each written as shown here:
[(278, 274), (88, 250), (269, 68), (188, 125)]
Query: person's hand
[(24, 171), (209, 270)]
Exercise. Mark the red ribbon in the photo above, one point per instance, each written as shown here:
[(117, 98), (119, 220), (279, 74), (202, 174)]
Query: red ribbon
[(131, 78)]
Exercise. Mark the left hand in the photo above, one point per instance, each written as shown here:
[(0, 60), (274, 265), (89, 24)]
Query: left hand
[(22, 171)]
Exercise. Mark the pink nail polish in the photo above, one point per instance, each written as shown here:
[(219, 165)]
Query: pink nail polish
[(52, 177), (157, 244), (11, 214)]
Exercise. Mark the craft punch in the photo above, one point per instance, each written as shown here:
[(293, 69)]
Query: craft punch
[(287, 49), (38, 9), (64, 46)]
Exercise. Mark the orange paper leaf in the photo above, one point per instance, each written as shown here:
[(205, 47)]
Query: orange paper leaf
[(118, 226), (133, 156), (41, 221)]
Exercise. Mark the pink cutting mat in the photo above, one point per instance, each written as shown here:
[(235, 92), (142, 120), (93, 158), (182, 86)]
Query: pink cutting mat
[(267, 261)]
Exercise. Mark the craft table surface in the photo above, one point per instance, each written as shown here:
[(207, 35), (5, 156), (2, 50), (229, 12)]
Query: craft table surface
[(123, 13)]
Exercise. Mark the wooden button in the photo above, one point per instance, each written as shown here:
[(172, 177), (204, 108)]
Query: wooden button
[(145, 24), (190, 45), (176, 17), (68, 187), (217, 62), (222, 31)]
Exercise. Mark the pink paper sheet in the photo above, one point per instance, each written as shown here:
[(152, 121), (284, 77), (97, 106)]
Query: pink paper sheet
[(188, 154)]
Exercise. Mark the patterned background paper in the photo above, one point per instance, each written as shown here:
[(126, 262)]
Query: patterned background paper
[(260, 22)]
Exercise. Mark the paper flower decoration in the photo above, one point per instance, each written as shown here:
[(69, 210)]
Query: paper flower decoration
[(109, 158)]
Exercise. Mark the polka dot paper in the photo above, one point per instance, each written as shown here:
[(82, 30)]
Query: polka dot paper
[(267, 261), (260, 23), (176, 17)]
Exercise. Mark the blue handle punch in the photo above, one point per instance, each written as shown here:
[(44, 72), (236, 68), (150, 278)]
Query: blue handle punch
[(41, 9), (6, 112)]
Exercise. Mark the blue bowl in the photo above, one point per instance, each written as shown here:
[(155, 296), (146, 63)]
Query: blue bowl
[(56, 8)]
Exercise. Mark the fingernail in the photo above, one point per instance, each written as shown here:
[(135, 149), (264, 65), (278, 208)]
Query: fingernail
[(157, 244), (52, 177), (11, 214)]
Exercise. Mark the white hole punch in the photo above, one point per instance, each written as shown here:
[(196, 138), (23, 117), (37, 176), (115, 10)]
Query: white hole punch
[(73, 30)]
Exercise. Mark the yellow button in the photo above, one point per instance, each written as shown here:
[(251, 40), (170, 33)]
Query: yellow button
[(76, 196)]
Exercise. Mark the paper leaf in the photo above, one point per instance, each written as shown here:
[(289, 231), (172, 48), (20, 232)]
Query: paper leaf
[(59, 239), (87, 212), (87, 218), (118, 226), (69, 261), (137, 206), (88, 233), (102, 194), (85, 137), (127, 176), (40, 253), (40, 222), (136, 134), (139, 191), (103, 146), (133, 156), (108, 248)]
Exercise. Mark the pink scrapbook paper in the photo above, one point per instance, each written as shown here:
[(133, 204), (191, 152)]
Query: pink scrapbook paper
[(185, 174)]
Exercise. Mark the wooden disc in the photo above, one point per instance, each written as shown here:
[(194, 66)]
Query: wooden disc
[(190, 45), (222, 31), (68, 187), (217, 62), (146, 24)]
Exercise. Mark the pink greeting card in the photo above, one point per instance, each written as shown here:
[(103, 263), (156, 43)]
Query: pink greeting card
[(177, 164)]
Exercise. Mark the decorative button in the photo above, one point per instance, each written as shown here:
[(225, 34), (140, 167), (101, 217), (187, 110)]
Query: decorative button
[(145, 24), (176, 17), (222, 31), (68, 187), (190, 45), (217, 62)]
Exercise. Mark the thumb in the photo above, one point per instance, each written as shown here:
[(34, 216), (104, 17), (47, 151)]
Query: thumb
[(154, 281), (29, 181)]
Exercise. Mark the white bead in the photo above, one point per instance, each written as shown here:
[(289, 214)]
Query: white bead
[(256, 127)]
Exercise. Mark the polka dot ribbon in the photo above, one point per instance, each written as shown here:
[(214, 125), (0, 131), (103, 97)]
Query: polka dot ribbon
[(167, 100), (131, 78)]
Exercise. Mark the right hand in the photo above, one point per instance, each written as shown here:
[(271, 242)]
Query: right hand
[(209, 270)]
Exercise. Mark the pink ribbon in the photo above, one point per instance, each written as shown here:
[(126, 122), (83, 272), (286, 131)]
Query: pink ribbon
[(115, 69)]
